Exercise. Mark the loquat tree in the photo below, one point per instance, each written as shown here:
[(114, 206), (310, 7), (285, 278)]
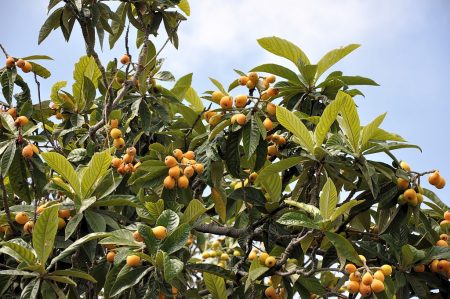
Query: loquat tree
[(121, 187)]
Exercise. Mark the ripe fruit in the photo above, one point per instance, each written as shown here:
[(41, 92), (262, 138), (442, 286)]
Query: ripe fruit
[(252, 255), (175, 171), (131, 151), (243, 80), (350, 268), (20, 63), (253, 176), (410, 195), (22, 218), (240, 101), (226, 102), (405, 166), (125, 59), (138, 237), (224, 257), (127, 158), (21, 121), (40, 209), (419, 268), (367, 278), (444, 236), (272, 150), (27, 151), (115, 133), (443, 265), (252, 76), (447, 215), (177, 153), (169, 182), (402, 184), (272, 92), (64, 213), (9, 62), (170, 161), (121, 169), (271, 79), (441, 243), (271, 109), (441, 183), (353, 287), (27, 67), (365, 290), (377, 286), (119, 143), (270, 292), (434, 178), (434, 266), (386, 269), (61, 223), (115, 162), (379, 275), (217, 96), (263, 256), (110, 256), (419, 198), (190, 155), (133, 260), (205, 255), (189, 171), (183, 182), (28, 226), (160, 232), (114, 123), (270, 261), (12, 112), (198, 168), (250, 84), (241, 119), (268, 124)]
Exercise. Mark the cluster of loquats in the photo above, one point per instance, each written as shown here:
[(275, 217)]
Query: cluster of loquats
[(366, 280), (24, 65), (126, 164), (436, 180), (24, 219), (116, 134), (412, 191), (441, 266), (275, 293), (219, 255), (182, 167)]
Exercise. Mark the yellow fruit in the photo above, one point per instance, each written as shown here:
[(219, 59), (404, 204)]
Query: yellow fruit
[(419, 268), (250, 84), (241, 119), (133, 260), (115, 162), (353, 286), (270, 292), (365, 290), (64, 213), (160, 232), (253, 176), (271, 109), (402, 184), (189, 171), (121, 169), (377, 286), (243, 80), (174, 291), (350, 268), (410, 195), (419, 198), (127, 158), (367, 278), (386, 269), (271, 79), (252, 76), (434, 178), (183, 182), (268, 125), (270, 261), (28, 226), (205, 255), (198, 168), (190, 155), (272, 150), (226, 102), (12, 112), (272, 92), (379, 275), (27, 151), (217, 96), (20, 63), (119, 143), (110, 256), (434, 266), (263, 256), (22, 218), (405, 166), (21, 121), (443, 237), (131, 151), (61, 223), (115, 133), (27, 67), (175, 171), (169, 182), (178, 154), (252, 255), (224, 257), (444, 223), (40, 209), (138, 237), (170, 161), (10, 62), (114, 123), (240, 101), (125, 59), (443, 265), (441, 183), (447, 215), (209, 114), (441, 243)]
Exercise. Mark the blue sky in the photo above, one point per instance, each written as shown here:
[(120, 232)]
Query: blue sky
[(405, 48)]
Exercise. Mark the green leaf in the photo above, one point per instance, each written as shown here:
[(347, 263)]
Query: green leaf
[(25, 254), (219, 86), (436, 253), (328, 199), (350, 120), (176, 240), (370, 130), (44, 233), (213, 269), (95, 221), (192, 97), (215, 285), (256, 270), (332, 57), (18, 178), (232, 157), (434, 198), (77, 155), (72, 225), (411, 255), (7, 158), (294, 125), (120, 237), (74, 273), (327, 118), (169, 219), (60, 164), (128, 279), (344, 248), (297, 219), (37, 57), (344, 208), (220, 202), (51, 23), (86, 71), (182, 86), (283, 48), (194, 210), (96, 170), (184, 6), (172, 268), (310, 209), (277, 70), (250, 137), (18, 273)]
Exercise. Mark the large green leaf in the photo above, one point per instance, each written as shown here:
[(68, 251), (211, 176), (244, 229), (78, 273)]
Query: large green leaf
[(169, 219), (94, 173), (215, 285), (328, 199), (283, 48), (51, 23), (7, 157), (277, 70), (327, 118), (194, 210), (344, 208), (74, 273), (250, 137), (86, 70), (410, 255), (60, 164), (120, 237), (344, 248), (25, 255), (172, 267), (182, 86), (176, 239), (297, 219), (192, 97), (44, 233), (128, 279), (350, 123), (332, 57), (370, 130), (310, 209), (294, 125)]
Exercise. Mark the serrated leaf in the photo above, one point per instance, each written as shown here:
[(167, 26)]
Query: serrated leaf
[(44, 233), (194, 210), (297, 219), (77, 155), (344, 208), (294, 125), (327, 118), (350, 123), (215, 285), (176, 239), (96, 170), (344, 248), (332, 57), (328, 199), (169, 219), (25, 254), (60, 164), (172, 267), (370, 130), (283, 48)]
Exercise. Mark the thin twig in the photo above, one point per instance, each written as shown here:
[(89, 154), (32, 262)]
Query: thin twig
[(4, 51), (6, 205)]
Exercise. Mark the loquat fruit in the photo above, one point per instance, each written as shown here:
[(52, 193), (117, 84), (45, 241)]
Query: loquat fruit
[(64, 213), (125, 59), (217, 96), (27, 67), (198, 168), (115, 133), (178, 154), (243, 80), (271, 109), (169, 182), (10, 62), (27, 151), (110, 256), (434, 178), (115, 162), (20, 63), (160, 232), (190, 155), (22, 218), (183, 182), (268, 125), (405, 166), (350, 268), (119, 143), (175, 171), (377, 286), (61, 223), (240, 101), (21, 121), (226, 102), (270, 261), (170, 161), (133, 260)]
